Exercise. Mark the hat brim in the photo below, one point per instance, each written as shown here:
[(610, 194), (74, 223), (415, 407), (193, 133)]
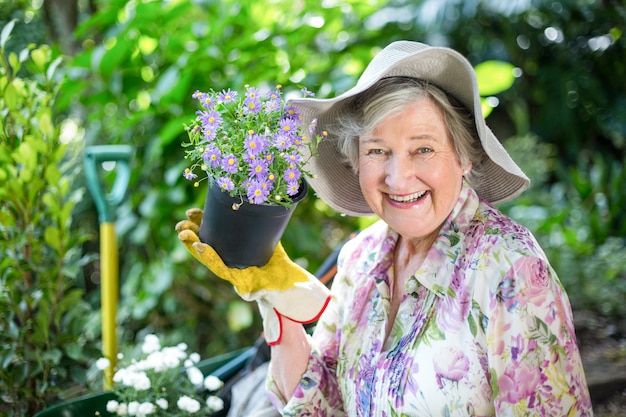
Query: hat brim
[(338, 185)]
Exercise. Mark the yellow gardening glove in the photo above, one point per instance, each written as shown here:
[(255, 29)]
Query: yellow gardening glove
[(281, 287)]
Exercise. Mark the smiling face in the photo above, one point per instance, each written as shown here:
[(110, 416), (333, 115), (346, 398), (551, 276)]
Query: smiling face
[(409, 171)]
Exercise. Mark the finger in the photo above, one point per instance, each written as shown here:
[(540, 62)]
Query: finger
[(187, 225), (195, 215), (187, 236)]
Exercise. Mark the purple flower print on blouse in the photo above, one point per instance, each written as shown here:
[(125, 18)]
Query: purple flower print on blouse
[(520, 380), (450, 363)]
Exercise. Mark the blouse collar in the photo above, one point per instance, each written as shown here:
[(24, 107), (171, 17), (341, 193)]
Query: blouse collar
[(438, 267)]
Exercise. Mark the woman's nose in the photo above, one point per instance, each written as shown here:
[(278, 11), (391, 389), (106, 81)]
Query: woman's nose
[(399, 170)]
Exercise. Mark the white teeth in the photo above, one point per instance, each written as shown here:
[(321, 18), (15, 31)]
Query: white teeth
[(407, 198)]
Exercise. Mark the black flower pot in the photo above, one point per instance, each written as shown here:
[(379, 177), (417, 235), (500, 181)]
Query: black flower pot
[(247, 236)]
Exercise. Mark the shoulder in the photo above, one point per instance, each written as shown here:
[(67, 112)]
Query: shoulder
[(369, 242), (495, 233)]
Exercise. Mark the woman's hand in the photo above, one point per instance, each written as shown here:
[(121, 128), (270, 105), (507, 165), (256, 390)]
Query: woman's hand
[(281, 287)]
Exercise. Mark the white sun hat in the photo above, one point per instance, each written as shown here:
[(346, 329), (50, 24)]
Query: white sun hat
[(337, 184)]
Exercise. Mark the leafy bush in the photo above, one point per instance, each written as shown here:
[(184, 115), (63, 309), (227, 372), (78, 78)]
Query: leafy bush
[(43, 347)]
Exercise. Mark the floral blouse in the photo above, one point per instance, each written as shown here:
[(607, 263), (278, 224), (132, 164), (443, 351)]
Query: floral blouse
[(484, 329)]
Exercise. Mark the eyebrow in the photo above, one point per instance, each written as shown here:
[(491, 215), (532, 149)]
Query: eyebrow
[(375, 139)]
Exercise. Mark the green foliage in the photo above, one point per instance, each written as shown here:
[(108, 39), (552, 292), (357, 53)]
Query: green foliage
[(43, 348)]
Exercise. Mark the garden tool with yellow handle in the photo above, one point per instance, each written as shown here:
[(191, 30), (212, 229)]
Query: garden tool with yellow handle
[(95, 156), (281, 288)]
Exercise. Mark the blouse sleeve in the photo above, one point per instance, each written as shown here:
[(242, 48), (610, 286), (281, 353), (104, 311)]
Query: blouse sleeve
[(534, 362), (318, 393)]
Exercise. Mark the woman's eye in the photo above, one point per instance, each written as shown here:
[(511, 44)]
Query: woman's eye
[(375, 152), (424, 150)]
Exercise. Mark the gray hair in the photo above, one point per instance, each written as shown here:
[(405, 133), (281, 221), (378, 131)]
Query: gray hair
[(390, 96)]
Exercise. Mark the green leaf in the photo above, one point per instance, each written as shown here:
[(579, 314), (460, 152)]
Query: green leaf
[(14, 62), (52, 355), (6, 33), (486, 108), (45, 122), (115, 57), (40, 57), (26, 155), (494, 77), (52, 174), (10, 97), (52, 236), (52, 68)]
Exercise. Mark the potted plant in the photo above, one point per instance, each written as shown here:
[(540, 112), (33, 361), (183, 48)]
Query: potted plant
[(252, 150)]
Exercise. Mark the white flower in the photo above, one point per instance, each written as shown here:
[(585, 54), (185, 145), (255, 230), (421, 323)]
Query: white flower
[(141, 382), (162, 403), (133, 406), (182, 347), (170, 361), (151, 343), (215, 403), (120, 375), (102, 364), (195, 375), (112, 406), (212, 383), (195, 357), (145, 408), (188, 404), (122, 410)]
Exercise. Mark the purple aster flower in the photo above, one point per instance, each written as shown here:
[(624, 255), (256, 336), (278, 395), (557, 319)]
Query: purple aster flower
[(288, 125), (252, 105), (252, 92), (225, 183), (291, 174), (208, 101), (283, 141), (274, 94), (212, 155), (291, 113), (255, 144), (209, 134), (189, 175), (272, 105), (213, 119), (258, 192), (293, 157), (229, 164), (227, 96), (197, 95), (258, 168), (307, 92), (293, 187), (209, 120), (273, 101)]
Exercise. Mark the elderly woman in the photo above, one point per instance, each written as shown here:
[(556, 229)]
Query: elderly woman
[(445, 306)]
